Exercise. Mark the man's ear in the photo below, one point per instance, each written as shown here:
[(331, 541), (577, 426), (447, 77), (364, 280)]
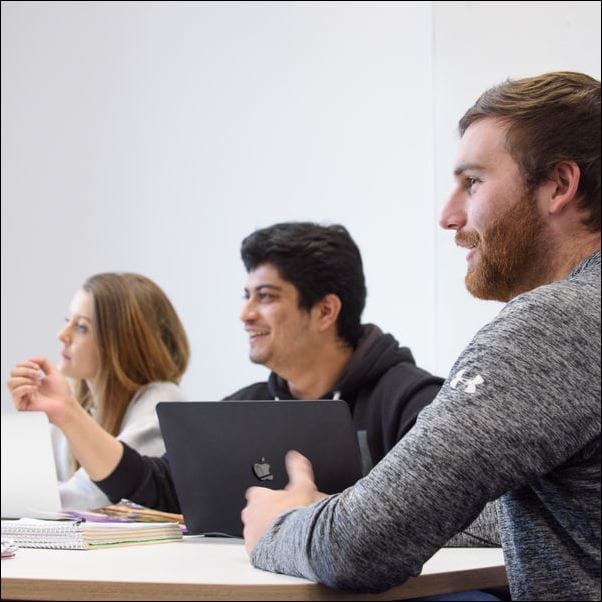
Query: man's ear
[(326, 311), (561, 187)]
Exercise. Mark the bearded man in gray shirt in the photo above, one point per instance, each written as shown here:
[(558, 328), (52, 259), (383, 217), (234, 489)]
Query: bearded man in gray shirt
[(518, 420)]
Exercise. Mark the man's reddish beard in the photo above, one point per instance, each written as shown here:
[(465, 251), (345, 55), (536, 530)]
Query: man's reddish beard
[(512, 253)]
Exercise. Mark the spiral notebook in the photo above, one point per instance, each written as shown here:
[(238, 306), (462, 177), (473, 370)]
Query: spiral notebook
[(85, 535)]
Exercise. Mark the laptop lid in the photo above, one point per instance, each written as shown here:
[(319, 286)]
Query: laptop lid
[(29, 483), (216, 450)]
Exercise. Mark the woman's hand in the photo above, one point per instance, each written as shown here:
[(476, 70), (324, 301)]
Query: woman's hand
[(36, 384)]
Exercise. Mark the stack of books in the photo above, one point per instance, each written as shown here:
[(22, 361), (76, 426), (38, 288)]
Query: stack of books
[(127, 510), (83, 535)]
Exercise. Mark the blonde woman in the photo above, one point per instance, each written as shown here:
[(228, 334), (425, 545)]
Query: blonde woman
[(124, 350)]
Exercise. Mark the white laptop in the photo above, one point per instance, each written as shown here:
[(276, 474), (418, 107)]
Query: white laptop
[(29, 483)]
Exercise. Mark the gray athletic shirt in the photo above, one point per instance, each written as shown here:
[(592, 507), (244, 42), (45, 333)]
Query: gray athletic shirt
[(519, 417)]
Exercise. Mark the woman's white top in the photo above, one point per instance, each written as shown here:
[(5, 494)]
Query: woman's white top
[(139, 429)]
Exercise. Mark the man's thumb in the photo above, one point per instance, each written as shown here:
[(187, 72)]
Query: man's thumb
[(299, 469)]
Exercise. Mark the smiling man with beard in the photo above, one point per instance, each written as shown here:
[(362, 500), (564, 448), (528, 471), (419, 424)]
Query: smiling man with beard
[(518, 420), (510, 246)]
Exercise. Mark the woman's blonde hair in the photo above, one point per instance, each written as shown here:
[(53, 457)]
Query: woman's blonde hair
[(140, 340)]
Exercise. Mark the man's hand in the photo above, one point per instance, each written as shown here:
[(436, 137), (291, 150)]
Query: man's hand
[(264, 505)]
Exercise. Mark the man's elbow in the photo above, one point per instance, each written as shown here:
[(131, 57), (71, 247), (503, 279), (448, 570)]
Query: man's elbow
[(358, 572)]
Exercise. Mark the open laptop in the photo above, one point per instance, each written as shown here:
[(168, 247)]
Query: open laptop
[(29, 483), (216, 450)]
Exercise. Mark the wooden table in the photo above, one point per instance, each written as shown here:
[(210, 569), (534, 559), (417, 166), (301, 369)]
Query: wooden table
[(214, 569)]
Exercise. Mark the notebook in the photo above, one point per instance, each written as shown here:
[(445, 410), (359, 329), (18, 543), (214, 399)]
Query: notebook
[(29, 483), (216, 450), (84, 535)]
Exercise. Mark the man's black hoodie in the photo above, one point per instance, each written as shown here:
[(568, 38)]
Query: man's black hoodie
[(381, 383)]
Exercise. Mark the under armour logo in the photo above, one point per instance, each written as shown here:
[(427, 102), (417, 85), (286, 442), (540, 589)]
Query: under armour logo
[(471, 383)]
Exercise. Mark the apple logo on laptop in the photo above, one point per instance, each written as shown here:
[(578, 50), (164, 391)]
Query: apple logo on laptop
[(263, 471)]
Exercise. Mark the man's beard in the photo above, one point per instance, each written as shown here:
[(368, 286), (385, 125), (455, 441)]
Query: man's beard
[(513, 253)]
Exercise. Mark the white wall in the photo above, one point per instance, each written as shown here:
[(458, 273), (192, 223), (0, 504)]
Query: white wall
[(153, 137), (477, 45)]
